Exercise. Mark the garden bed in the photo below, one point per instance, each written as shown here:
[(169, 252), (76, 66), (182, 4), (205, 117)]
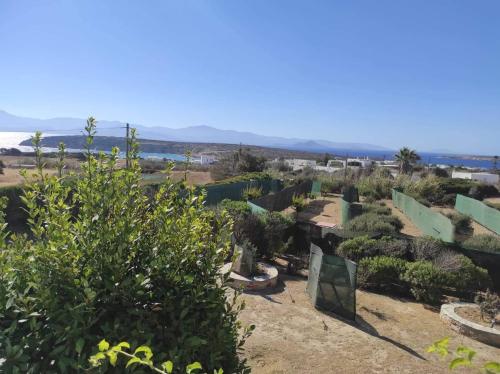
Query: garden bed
[(473, 314)]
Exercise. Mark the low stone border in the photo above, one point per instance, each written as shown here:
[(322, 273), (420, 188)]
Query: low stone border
[(268, 279), (473, 330)]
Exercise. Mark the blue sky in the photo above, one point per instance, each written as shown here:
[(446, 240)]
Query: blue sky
[(420, 73)]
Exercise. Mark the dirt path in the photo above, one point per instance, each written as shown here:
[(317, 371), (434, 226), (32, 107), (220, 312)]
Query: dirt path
[(409, 227), (322, 210), (390, 335)]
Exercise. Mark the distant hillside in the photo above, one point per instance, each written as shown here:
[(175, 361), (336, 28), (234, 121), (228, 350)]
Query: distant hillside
[(105, 143), (192, 134)]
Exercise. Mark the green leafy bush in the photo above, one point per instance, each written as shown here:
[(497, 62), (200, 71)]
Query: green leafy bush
[(483, 242), (376, 187), (481, 191), (381, 273), (374, 223), (277, 231), (235, 207), (468, 277), (251, 193), (298, 202), (357, 248), (425, 280), (331, 186), (105, 261)]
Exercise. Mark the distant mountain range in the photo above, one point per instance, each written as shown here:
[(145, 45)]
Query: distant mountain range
[(196, 134)]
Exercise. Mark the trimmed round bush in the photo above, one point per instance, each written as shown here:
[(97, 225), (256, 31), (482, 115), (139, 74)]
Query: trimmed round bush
[(425, 280), (381, 273), (357, 248), (468, 277)]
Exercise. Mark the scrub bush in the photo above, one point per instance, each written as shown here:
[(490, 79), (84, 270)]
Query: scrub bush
[(374, 223), (462, 223), (483, 242), (376, 187), (425, 280), (106, 262), (235, 208), (277, 230), (376, 209), (426, 248), (381, 273), (357, 248), (398, 248)]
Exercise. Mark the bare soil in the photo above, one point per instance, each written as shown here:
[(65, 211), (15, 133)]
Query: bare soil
[(11, 177), (409, 227), (389, 336), (325, 209), (473, 314)]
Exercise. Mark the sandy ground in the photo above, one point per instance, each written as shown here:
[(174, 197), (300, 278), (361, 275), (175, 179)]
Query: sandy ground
[(409, 227), (493, 200), (390, 335), (11, 177), (477, 228), (324, 209)]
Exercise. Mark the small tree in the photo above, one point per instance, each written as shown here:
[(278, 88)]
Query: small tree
[(2, 166), (406, 158)]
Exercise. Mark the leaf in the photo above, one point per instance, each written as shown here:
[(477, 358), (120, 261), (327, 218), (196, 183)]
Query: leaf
[(194, 366), (79, 345), (96, 359), (168, 366), (103, 345), (459, 361), (133, 361), (492, 367), (464, 351), (147, 351), (123, 345), (113, 356)]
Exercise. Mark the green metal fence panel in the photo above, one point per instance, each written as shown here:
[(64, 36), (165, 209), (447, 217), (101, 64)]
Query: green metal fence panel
[(487, 216), (234, 191), (349, 208), (282, 199), (316, 188), (332, 283), (256, 209), (429, 222)]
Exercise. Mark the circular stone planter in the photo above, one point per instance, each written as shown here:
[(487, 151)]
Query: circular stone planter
[(268, 278), (473, 330)]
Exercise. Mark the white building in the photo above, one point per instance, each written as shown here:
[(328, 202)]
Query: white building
[(486, 178), (207, 159), (297, 164)]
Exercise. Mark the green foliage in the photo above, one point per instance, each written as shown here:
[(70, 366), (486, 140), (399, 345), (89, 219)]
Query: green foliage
[(251, 193), (481, 191), (406, 158), (141, 356), (374, 223), (298, 202), (425, 280), (462, 357), (331, 185), (483, 242), (388, 246), (376, 187), (242, 161), (462, 222), (467, 276), (235, 208), (2, 166), (277, 227), (257, 176), (15, 210), (376, 209), (357, 248), (104, 261), (381, 273)]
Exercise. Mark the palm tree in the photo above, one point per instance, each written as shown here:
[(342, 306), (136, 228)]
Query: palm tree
[(406, 158), (495, 161)]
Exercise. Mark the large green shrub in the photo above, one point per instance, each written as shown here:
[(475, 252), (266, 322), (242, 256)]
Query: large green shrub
[(376, 187), (374, 223), (425, 280), (462, 222), (381, 273), (468, 277), (377, 209), (357, 248), (483, 242), (277, 231), (235, 207), (119, 266)]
